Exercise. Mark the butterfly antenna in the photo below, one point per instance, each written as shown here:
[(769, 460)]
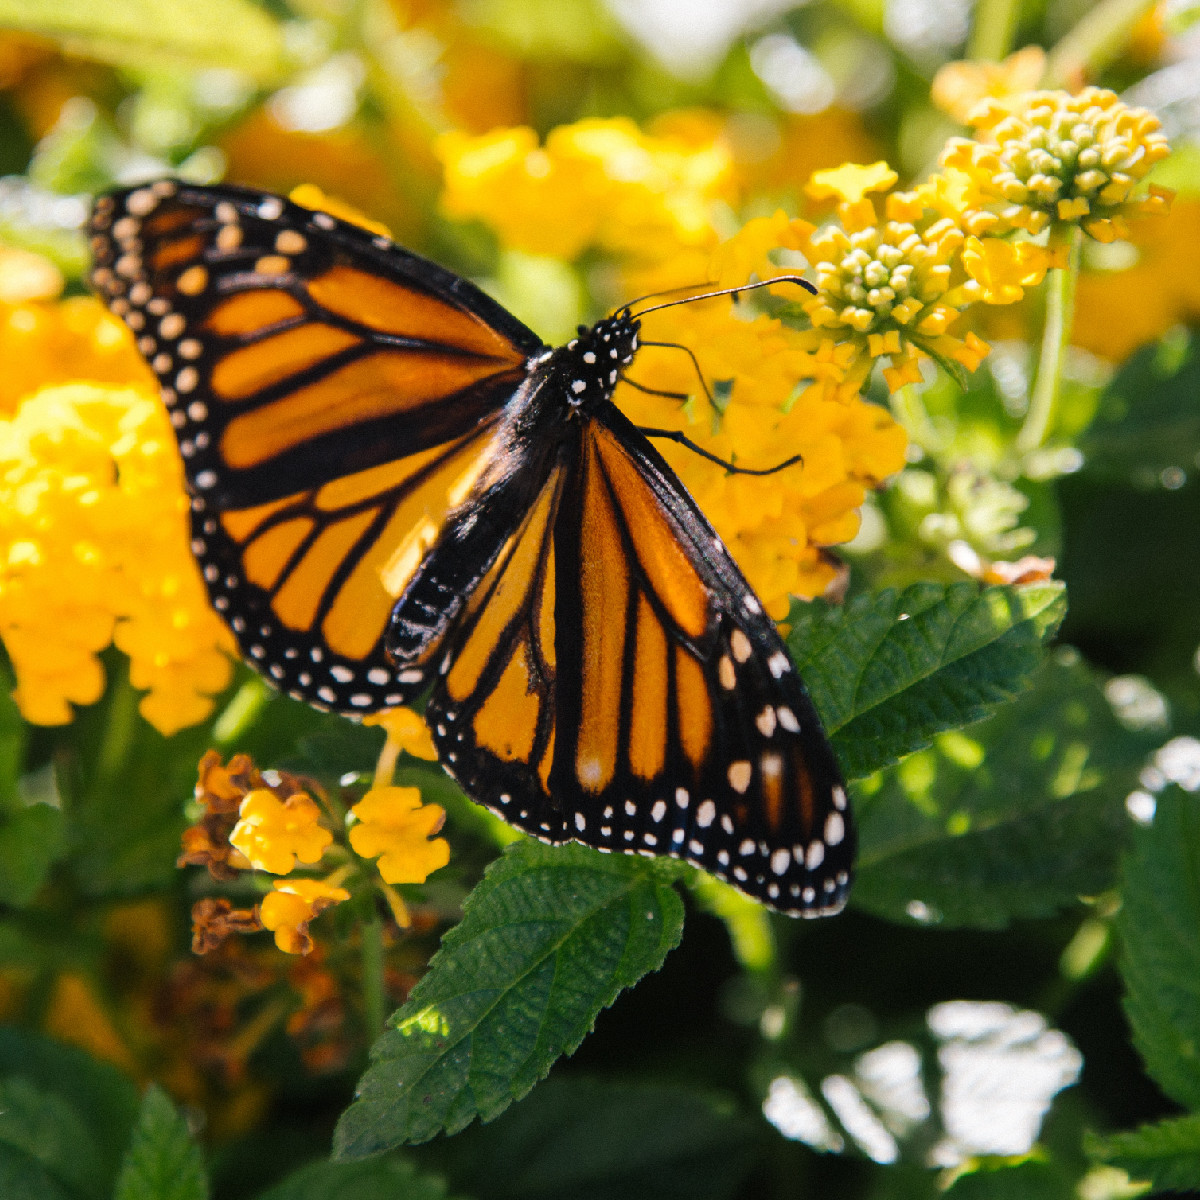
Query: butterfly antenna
[(695, 363), (733, 291), (683, 287)]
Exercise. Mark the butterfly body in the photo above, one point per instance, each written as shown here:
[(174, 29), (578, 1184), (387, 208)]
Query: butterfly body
[(397, 488)]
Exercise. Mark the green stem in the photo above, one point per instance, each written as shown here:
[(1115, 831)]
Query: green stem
[(241, 712), (910, 411), (993, 30), (1056, 337), (1099, 37), (372, 970), (122, 725)]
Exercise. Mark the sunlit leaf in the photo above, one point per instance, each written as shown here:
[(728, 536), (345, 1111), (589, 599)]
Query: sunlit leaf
[(1015, 817), (889, 671), (548, 939), (1166, 1155), (1025, 1180)]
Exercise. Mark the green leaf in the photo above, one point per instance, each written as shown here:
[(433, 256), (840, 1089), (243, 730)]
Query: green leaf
[(594, 1140), (31, 842), (162, 1162), (1160, 946), (1166, 1154), (90, 1086), (389, 1178), (52, 1131), (1015, 817), (548, 939), (889, 671), (996, 1179), (233, 34), (21, 1175), (1149, 418)]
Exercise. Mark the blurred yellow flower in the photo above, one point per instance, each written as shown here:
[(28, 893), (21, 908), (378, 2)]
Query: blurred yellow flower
[(1117, 311), (1004, 269), (597, 183), (959, 86), (850, 182), (1055, 159), (311, 196), (93, 549), (405, 731), (288, 909), (45, 341), (77, 1014), (274, 834), (393, 824)]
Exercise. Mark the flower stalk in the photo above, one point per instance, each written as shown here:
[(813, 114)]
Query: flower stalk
[(1061, 283)]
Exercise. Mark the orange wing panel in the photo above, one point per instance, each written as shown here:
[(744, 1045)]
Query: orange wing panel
[(507, 722), (604, 583), (695, 708), (247, 312), (389, 307), (300, 596), (377, 385), (241, 373), (648, 721), (510, 593), (667, 568), (266, 556)]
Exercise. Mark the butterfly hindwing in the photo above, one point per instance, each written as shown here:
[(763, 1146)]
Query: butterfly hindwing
[(616, 682), (334, 397)]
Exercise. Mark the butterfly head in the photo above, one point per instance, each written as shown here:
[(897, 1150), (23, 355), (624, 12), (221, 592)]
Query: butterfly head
[(593, 361)]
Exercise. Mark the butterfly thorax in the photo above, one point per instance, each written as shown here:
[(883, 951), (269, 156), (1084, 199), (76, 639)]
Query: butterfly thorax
[(587, 368)]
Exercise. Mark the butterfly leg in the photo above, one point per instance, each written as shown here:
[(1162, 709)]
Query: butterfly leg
[(674, 435)]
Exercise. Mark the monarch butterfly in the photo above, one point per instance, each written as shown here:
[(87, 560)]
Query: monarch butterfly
[(396, 486)]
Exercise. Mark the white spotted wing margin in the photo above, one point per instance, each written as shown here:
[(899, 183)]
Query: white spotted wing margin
[(548, 939), (632, 695)]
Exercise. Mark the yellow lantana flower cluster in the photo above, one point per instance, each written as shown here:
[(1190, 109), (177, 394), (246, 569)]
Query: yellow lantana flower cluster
[(93, 549), (291, 905), (270, 821), (887, 288), (392, 825), (1056, 158)]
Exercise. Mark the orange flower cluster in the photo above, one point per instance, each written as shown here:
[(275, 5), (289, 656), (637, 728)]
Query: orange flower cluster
[(269, 821)]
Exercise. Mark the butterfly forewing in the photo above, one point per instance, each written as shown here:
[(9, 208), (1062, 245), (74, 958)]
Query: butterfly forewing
[(334, 398)]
